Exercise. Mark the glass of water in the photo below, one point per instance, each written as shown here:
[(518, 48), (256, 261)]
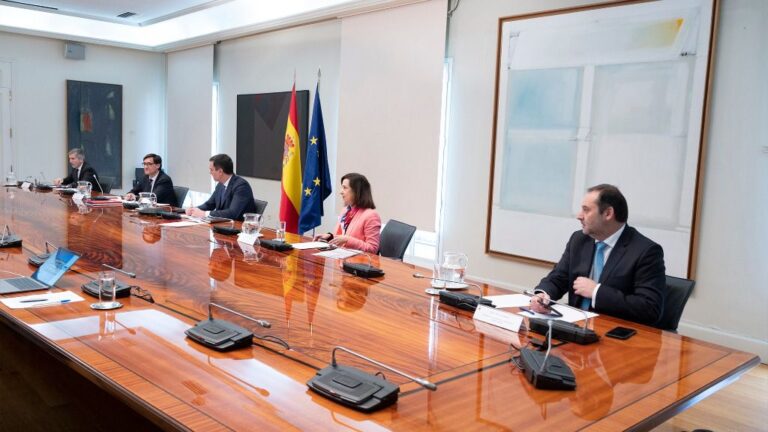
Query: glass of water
[(107, 287), (147, 200), (280, 231), (251, 223), (84, 187)]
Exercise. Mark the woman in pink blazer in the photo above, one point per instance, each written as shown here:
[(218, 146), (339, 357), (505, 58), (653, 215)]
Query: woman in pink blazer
[(359, 225)]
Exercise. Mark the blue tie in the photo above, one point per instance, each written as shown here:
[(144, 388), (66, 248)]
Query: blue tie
[(597, 267)]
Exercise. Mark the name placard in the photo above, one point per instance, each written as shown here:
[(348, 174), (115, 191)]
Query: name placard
[(248, 238), (499, 318)]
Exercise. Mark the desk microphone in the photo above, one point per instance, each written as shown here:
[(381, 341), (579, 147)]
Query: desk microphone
[(97, 182), (8, 239), (363, 270), (357, 389), (460, 300), (38, 260), (545, 372), (223, 335)]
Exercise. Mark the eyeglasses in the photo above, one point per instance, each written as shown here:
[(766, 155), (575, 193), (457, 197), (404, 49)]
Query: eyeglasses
[(148, 163), (142, 294)]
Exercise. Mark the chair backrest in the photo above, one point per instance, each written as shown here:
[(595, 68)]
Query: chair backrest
[(395, 238), (261, 206), (181, 194), (106, 183), (678, 291), (138, 175)]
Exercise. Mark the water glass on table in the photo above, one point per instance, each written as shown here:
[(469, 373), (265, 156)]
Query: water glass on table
[(107, 285), (280, 231)]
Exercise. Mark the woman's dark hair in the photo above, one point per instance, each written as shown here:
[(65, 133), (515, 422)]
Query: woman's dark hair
[(361, 189)]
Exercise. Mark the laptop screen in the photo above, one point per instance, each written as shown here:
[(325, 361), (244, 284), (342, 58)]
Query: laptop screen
[(55, 266)]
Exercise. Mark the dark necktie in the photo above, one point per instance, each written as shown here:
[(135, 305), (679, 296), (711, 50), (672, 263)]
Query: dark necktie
[(151, 185)]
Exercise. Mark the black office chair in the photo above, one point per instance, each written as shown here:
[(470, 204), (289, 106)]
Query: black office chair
[(678, 291), (106, 184), (395, 238), (181, 194), (138, 175), (261, 206)]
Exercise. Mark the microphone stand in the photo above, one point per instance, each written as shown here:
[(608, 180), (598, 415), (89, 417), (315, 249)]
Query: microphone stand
[(420, 381), (97, 182)]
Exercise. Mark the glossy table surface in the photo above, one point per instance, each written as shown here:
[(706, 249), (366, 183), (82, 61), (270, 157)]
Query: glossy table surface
[(140, 353)]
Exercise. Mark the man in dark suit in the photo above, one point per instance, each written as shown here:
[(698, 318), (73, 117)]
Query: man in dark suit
[(156, 181), (608, 266), (81, 171), (233, 195)]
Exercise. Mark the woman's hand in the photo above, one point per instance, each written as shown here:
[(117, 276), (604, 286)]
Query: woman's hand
[(339, 241)]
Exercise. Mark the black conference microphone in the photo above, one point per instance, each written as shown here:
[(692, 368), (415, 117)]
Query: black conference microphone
[(357, 389), (223, 335), (101, 197), (362, 270), (9, 239), (121, 290), (460, 300), (543, 371), (38, 260), (563, 330), (43, 185)]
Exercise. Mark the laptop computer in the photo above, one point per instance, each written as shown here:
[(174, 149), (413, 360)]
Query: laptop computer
[(45, 276)]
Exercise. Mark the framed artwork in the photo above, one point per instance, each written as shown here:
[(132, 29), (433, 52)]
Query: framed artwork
[(611, 93), (95, 124), (261, 120)]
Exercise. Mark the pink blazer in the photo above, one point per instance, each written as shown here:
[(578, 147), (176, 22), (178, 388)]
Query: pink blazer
[(364, 231)]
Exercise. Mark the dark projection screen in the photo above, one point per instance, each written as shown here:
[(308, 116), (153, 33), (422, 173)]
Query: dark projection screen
[(261, 121)]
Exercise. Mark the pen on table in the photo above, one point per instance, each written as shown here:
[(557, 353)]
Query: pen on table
[(33, 300), (53, 303)]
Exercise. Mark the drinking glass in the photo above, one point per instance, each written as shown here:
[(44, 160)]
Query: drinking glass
[(84, 187), (252, 223), (10, 179), (147, 200), (107, 285), (280, 231)]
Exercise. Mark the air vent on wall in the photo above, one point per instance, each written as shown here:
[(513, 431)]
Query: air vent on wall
[(126, 14)]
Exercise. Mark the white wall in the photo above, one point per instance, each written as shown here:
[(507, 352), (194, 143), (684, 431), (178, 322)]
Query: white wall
[(267, 63), (730, 301), (189, 90), (389, 109), (39, 78)]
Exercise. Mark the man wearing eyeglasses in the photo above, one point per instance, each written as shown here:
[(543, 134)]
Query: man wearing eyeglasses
[(156, 181)]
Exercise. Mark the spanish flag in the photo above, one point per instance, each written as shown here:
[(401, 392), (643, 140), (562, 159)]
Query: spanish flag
[(290, 194)]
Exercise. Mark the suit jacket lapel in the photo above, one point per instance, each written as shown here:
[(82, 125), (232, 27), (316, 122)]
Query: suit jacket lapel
[(219, 195), (617, 253)]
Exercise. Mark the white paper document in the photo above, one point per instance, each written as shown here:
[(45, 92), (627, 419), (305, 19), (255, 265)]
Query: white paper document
[(310, 245), (338, 253), (41, 300), (509, 300), (180, 224), (569, 314)]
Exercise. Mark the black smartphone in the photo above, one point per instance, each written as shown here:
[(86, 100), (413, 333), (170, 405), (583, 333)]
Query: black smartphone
[(621, 333)]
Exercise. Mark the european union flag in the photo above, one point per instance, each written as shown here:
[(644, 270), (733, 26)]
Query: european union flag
[(316, 186)]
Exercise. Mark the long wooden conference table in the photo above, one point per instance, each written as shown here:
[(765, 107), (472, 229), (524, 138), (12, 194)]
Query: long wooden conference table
[(140, 354)]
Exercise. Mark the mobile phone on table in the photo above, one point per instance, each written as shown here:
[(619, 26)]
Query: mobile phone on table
[(621, 333)]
